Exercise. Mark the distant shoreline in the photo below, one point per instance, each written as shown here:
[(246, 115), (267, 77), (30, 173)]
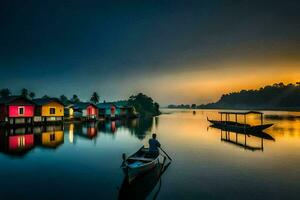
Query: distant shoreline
[(259, 109)]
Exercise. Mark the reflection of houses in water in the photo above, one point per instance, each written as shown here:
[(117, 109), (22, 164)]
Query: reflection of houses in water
[(137, 127), (71, 133), (17, 141), (90, 130), (49, 136), (233, 138), (87, 130), (109, 126)]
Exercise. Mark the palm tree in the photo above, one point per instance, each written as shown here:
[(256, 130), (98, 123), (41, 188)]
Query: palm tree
[(45, 97), (32, 95), (5, 93), (95, 98), (63, 98), (75, 99)]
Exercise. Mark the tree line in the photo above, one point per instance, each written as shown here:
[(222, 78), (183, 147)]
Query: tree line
[(276, 96), (5, 92), (142, 103)]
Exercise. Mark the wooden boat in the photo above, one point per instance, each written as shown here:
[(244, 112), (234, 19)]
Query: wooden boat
[(259, 134), (142, 186), (239, 127), (138, 164)]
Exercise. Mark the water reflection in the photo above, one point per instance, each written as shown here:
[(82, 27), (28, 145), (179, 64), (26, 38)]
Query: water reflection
[(20, 141), (16, 142), (204, 167), (140, 128), (240, 139), (144, 186), (137, 127), (49, 136)]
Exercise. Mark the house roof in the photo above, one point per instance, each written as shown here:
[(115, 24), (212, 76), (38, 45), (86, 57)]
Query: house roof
[(82, 105), (43, 101), (10, 99), (105, 105), (118, 104)]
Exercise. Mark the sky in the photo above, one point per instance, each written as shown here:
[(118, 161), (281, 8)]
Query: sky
[(174, 51)]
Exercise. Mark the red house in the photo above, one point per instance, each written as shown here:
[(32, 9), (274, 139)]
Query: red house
[(86, 111), (15, 110)]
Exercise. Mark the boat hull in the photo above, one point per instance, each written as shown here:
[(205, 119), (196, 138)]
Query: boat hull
[(133, 173), (138, 164), (239, 128)]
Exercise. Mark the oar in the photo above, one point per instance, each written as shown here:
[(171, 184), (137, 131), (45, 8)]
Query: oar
[(165, 153)]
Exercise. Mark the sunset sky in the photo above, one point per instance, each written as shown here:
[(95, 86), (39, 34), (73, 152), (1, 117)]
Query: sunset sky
[(174, 51)]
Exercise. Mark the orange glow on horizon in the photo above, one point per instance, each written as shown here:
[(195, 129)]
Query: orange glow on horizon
[(204, 86)]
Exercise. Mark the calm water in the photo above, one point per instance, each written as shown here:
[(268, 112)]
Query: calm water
[(78, 161)]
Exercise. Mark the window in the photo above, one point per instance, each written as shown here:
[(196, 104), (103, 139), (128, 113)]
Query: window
[(52, 137), (21, 141), (52, 111), (21, 110)]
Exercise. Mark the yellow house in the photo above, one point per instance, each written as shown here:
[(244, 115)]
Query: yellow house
[(48, 110)]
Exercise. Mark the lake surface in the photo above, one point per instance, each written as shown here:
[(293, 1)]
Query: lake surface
[(77, 161)]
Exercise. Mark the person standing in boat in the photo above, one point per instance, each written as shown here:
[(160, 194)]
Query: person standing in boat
[(153, 146)]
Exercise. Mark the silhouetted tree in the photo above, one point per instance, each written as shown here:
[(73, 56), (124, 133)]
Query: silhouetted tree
[(95, 98), (273, 96), (32, 95), (24, 92), (45, 96), (5, 93), (75, 99), (144, 105), (156, 107), (64, 99)]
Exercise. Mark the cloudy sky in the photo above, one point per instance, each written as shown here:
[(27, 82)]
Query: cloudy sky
[(174, 51)]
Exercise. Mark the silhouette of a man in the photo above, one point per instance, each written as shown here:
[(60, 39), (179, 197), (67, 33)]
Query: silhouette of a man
[(153, 146)]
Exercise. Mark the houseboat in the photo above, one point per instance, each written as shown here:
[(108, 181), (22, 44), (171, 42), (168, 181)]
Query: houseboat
[(48, 110), (126, 112), (85, 111), (16, 110), (69, 112), (117, 110), (107, 110)]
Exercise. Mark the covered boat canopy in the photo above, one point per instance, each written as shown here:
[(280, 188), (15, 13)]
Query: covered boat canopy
[(241, 113), (228, 113)]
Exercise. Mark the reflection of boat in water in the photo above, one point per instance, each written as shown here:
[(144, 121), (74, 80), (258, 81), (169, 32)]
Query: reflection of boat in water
[(234, 126), (142, 186), (139, 163), (234, 139), (260, 134)]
